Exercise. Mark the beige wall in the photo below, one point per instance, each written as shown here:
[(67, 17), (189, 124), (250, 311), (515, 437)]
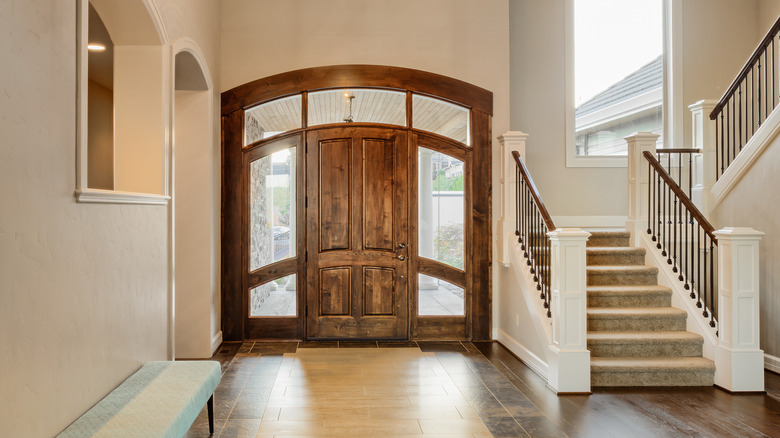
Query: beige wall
[(718, 36), (768, 12), (743, 207), (538, 107), (84, 288), (100, 137)]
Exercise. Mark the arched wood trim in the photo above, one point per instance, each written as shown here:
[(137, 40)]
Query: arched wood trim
[(236, 100), (336, 76)]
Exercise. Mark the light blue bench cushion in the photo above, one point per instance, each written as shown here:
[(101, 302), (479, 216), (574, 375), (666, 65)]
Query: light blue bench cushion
[(162, 399)]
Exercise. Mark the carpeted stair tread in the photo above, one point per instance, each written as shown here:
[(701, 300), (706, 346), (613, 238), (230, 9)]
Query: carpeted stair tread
[(629, 296), (645, 337), (634, 312), (622, 269), (651, 364), (615, 255), (603, 319), (608, 238)]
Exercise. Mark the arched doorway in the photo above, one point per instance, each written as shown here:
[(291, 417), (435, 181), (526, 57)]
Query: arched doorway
[(356, 205)]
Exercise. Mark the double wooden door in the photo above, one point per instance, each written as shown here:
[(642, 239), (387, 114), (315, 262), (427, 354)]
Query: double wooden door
[(357, 232)]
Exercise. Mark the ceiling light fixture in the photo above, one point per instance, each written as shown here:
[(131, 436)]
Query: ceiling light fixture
[(350, 98), (95, 47)]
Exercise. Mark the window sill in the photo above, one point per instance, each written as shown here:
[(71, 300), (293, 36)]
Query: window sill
[(97, 196)]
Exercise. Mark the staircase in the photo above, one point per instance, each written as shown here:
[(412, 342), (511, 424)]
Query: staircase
[(634, 335)]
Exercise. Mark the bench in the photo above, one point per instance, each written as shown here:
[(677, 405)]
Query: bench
[(162, 399)]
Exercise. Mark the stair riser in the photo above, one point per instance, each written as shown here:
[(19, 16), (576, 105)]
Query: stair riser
[(598, 241), (622, 279), (636, 324), (630, 301), (615, 259), (637, 349), (685, 378)]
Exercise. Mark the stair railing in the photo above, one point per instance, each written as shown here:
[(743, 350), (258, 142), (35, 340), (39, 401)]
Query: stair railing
[(748, 101), (679, 165), (683, 235), (532, 224)]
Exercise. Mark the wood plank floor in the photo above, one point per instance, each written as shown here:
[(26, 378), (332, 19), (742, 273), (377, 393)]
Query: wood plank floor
[(456, 390)]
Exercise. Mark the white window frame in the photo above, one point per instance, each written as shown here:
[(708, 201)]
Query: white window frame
[(572, 159)]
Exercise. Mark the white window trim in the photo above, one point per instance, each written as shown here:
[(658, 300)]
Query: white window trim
[(572, 159), (83, 193)]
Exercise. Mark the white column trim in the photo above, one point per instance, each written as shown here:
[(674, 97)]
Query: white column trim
[(739, 360), (510, 141)]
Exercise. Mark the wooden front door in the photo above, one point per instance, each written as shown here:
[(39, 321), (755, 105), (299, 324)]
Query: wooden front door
[(357, 234)]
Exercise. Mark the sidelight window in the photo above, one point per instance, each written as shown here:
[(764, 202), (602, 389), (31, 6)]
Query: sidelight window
[(440, 199), (274, 298), (272, 208)]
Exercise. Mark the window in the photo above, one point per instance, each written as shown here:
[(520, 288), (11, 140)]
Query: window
[(440, 117), (618, 74), (357, 105)]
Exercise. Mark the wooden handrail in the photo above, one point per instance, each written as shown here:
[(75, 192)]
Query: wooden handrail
[(677, 151), (703, 222), (534, 191), (770, 35)]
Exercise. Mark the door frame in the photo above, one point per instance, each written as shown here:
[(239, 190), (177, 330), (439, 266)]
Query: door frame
[(480, 104)]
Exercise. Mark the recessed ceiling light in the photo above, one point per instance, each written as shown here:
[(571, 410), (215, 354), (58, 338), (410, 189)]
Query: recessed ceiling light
[(94, 47)]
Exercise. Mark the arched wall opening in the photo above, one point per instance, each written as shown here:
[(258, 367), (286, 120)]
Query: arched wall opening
[(195, 206)]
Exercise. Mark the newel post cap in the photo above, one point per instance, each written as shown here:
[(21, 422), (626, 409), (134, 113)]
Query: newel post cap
[(642, 136), (513, 136), (704, 104), (733, 233), (568, 234)]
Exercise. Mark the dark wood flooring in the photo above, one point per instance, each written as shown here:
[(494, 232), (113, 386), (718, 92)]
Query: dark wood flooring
[(513, 401)]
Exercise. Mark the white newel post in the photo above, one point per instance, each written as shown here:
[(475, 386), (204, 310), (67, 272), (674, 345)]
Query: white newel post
[(739, 361), (638, 187), (703, 133), (510, 141), (569, 364)]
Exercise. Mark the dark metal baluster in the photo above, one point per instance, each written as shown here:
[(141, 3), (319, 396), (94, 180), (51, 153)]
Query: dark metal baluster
[(659, 201), (668, 241), (739, 91), (649, 195), (706, 285), (685, 266), (759, 85), (698, 266), (517, 204), (691, 265), (673, 224), (712, 283)]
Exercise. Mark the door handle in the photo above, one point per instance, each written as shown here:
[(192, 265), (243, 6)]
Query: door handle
[(401, 245), (401, 257)]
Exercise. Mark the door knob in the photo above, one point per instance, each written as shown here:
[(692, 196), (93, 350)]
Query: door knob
[(402, 245), (401, 257)]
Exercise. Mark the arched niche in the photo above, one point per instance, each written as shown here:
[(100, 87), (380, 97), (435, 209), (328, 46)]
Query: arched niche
[(139, 102), (195, 200)]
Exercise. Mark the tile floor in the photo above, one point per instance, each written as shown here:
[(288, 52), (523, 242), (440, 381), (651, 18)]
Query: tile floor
[(367, 389)]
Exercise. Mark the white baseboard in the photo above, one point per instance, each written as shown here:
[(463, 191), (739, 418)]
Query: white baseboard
[(531, 360), (590, 221), (772, 363), (216, 341)]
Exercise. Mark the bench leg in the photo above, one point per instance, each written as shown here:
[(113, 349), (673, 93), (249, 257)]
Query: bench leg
[(210, 405)]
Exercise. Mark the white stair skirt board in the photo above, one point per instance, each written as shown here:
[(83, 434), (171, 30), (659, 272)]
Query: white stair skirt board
[(772, 363), (763, 137), (532, 361)]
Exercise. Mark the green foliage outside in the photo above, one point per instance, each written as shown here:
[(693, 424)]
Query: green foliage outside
[(448, 245), (443, 184)]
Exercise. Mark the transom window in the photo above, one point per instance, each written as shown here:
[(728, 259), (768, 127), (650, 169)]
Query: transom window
[(356, 105)]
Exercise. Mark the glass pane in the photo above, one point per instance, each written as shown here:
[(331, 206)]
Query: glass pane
[(438, 297), (440, 203), (272, 118), (440, 117), (275, 298), (357, 105), (272, 208)]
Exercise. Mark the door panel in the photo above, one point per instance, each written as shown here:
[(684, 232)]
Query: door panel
[(334, 186), (357, 233)]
